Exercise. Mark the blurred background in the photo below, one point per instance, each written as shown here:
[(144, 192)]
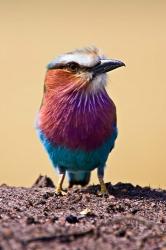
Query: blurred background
[(36, 31)]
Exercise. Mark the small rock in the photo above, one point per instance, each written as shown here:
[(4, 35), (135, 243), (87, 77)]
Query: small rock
[(40, 202), (153, 204), (134, 210), (72, 219), (163, 220), (47, 195), (45, 214), (54, 218), (30, 220), (121, 233), (86, 211)]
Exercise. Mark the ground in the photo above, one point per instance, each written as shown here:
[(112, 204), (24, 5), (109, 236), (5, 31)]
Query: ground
[(130, 217)]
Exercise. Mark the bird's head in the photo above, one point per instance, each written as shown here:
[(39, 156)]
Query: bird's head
[(82, 69)]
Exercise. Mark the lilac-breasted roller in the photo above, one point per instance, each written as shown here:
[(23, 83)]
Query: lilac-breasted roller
[(77, 121)]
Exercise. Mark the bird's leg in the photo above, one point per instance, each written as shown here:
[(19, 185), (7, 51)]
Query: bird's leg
[(60, 183), (100, 174)]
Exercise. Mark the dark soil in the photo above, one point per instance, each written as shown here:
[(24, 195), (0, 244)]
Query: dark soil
[(130, 217)]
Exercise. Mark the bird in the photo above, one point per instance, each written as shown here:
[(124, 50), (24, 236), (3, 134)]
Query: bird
[(77, 121)]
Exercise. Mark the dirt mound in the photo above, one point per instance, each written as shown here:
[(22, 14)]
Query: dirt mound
[(130, 217)]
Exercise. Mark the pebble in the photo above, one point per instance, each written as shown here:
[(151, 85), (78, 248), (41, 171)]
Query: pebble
[(72, 219)]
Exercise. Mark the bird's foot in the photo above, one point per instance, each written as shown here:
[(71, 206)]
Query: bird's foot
[(60, 192), (103, 191)]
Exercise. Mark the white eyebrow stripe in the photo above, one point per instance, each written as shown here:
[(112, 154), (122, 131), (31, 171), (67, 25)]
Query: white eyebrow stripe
[(80, 58)]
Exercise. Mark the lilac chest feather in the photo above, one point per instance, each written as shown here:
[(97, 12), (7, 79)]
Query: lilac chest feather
[(78, 120)]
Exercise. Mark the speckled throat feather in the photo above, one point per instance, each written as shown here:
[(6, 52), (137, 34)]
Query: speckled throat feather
[(76, 118)]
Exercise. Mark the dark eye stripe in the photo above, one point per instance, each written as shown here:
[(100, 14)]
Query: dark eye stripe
[(70, 64)]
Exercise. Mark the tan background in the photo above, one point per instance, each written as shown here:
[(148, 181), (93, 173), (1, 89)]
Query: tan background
[(33, 32)]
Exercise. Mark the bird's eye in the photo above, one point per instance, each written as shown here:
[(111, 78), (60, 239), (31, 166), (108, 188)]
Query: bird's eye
[(73, 66)]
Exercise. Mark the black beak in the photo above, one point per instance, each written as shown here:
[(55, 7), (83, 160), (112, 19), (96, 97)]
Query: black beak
[(106, 65)]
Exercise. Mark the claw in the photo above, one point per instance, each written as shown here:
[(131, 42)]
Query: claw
[(99, 193), (103, 192), (60, 192)]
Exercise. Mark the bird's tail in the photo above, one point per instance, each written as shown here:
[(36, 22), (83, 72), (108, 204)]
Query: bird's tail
[(78, 178)]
